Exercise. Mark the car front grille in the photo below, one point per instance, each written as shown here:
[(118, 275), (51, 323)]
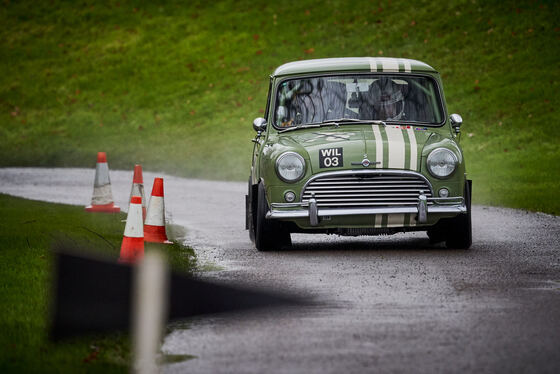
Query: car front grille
[(365, 188)]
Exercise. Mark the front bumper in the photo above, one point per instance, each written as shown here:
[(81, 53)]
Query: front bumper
[(425, 206)]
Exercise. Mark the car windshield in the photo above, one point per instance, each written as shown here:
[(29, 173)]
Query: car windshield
[(363, 97)]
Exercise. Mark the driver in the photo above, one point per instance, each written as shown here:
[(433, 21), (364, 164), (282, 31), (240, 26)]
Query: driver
[(286, 96), (388, 99)]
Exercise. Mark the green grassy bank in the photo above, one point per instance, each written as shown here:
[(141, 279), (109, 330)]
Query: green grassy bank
[(27, 231), (175, 85)]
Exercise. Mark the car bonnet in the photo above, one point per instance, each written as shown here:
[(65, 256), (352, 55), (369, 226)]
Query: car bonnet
[(363, 146)]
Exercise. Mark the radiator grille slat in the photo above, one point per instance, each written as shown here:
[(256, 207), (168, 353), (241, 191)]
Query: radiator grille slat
[(369, 183), (364, 185), (338, 194), (363, 190)]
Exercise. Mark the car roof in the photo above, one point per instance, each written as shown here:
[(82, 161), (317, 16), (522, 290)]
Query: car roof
[(370, 64)]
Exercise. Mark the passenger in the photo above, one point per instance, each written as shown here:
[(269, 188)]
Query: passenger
[(387, 100)]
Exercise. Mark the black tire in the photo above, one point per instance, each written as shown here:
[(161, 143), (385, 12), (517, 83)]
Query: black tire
[(460, 228), (436, 235), (269, 235), (250, 212)]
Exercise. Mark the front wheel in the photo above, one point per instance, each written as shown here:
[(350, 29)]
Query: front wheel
[(460, 229), (269, 235), (250, 212), (436, 235)]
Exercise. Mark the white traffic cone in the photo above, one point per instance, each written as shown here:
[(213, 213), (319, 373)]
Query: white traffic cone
[(102, 199), (138, 188), (154, 226), (132, 247)]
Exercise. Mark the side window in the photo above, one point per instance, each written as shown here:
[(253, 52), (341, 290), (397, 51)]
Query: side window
[(267, 108)]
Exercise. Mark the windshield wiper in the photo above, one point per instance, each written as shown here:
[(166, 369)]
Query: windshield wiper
[(334, 122), (341, 120), (337, 122), (300, 127)]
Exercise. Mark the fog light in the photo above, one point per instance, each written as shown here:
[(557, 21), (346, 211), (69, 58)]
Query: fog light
[(290, 196), (443, 192)]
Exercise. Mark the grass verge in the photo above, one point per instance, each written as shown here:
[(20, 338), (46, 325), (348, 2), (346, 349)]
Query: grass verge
[(27, 231), (175, 85)]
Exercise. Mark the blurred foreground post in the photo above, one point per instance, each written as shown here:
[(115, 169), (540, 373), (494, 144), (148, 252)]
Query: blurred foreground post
[(150, 290)]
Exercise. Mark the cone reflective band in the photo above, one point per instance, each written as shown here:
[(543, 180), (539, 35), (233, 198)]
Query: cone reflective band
[(138, 188), (132, 248), (102, 199), (154, 226)]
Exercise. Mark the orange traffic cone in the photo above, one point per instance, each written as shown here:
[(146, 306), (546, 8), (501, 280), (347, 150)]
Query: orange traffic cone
[(132, 247), (154, 226), (138, 188), (102, 199)]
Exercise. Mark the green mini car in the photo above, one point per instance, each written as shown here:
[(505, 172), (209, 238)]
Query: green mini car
[(357, 146)]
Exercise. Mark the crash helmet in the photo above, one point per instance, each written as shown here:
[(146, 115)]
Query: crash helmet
[(388, 99)]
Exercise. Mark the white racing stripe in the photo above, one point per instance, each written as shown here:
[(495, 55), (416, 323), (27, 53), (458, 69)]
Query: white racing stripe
[(412, 220), (406, 64), (372, 64), (378, 218), (390, 65), (395, 142), (413, 149), (378, 146), (395, 220)]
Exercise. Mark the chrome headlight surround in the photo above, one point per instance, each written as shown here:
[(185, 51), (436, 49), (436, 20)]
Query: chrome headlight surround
[(290, 167), (442, 162)]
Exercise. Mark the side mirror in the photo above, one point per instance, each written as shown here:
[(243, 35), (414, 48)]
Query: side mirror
[(456, 121), (259, 124)]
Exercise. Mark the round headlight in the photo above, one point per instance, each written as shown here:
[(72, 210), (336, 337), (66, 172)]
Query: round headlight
[(442, 162), (290, 167)]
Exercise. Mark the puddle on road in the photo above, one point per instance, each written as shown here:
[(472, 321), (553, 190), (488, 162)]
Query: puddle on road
[(547, 285), (173, 359)]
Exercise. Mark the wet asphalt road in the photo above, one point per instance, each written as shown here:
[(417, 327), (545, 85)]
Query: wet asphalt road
[(383, 304)]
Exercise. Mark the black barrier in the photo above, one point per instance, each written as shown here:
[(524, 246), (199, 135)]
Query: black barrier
[(89, 296), (92, 295)]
